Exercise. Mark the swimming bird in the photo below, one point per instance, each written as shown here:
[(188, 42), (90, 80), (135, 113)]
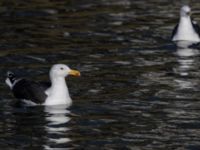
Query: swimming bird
[(34, 93), (186, 29)]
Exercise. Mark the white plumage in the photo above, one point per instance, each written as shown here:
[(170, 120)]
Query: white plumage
[(186, 29)]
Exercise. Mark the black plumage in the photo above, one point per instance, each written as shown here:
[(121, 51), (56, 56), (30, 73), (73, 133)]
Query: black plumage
[(28, 90), (196, 27), (174, 31)]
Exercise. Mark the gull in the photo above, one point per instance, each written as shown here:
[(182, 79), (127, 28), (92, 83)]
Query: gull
[(33, 93), (187, 29)]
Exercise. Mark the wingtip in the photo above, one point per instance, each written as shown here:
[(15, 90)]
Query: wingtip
[(10, 79), (9, 74)]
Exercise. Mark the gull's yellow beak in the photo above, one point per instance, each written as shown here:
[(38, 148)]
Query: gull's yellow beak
[(74, 73)]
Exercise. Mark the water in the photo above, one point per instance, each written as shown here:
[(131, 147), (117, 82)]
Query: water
[(136, 92)]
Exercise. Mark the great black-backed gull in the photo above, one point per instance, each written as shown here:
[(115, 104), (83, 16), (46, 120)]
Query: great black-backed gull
[(186, 29), (53, 93)]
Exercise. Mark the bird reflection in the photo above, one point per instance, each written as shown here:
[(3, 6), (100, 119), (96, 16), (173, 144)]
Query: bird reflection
[(56, 127), (187, 64), (185, 44)]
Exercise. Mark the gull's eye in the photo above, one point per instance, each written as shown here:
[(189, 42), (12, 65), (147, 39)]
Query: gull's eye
[(61, 68)]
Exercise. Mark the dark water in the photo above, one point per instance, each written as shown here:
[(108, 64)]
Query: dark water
[(137, 91)]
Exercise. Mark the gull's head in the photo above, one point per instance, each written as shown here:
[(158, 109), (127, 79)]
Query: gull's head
[(62, 70), (185, 11)]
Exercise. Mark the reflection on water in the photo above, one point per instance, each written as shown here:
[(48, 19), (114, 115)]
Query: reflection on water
[(187, 59), (56, 127), (185, 44)]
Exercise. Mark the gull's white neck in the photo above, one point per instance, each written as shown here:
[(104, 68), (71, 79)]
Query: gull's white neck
[(185, 31), (58, 93)]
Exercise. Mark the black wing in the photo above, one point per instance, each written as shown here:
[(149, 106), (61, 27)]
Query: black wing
[(45, 85), (30, 90), (174, 31), (196, 27)]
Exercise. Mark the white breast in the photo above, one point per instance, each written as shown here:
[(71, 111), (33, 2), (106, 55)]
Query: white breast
[(58, 94), (185, 31)]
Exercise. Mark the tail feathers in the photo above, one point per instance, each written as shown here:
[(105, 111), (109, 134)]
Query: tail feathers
[(11, 78)]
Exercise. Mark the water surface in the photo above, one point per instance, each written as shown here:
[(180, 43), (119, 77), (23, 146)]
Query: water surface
[(136, 92)]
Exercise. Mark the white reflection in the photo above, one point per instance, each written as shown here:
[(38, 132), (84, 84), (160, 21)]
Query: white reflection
[(125, 3), (187, 63), (56, 126), (185, 44), (187, 52), (183, 84)]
